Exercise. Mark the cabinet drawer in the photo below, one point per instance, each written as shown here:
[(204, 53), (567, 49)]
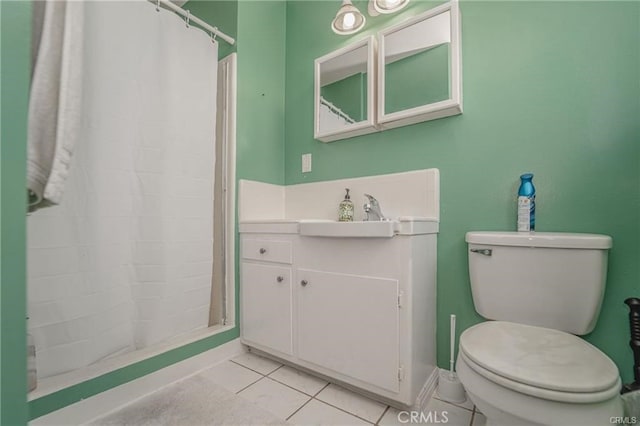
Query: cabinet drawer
[(267, 250)]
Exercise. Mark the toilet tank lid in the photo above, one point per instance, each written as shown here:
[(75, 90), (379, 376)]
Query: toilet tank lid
[(540, 239)]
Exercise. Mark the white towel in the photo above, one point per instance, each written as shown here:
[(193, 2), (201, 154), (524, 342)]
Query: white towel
[(55, 102)]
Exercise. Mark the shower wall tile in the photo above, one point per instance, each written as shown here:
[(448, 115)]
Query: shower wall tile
[(150, 160), (147, 289), (59, 359), (148, 205), (150, 183), (147, 252), (108, 182), (147, 308), (185, 206), (191, 229), (73, 306), (149, 332), (50, 231), (49, 288), (197, 298), (113, 205), (62, 333), (111, 230), (195, 269), (52, 261), (150, 273), (189, 187), (105, 319), (189, 251), (196, 282), (117, 339), (197, 166), (149, 228), (194, 319)]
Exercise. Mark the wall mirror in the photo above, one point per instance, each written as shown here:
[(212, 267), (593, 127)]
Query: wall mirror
[(419, 68), (344, 92)]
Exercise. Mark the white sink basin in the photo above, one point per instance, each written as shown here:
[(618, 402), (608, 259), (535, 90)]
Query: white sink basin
[(358, 229)]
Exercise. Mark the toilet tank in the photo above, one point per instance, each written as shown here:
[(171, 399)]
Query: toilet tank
[(546, 279)]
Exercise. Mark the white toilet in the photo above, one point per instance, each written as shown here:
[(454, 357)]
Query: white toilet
[(527, 367)]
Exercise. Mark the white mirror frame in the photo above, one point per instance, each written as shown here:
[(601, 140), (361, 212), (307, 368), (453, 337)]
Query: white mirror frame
[(361, 127), (445, 108)]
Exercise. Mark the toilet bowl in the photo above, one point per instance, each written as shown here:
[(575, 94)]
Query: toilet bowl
[(521, 375), (527, 365)]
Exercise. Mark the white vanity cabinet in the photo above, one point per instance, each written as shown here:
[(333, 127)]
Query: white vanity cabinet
[(359, 310)]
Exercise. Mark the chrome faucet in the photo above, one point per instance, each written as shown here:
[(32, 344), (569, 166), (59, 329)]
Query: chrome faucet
[(372, 209)]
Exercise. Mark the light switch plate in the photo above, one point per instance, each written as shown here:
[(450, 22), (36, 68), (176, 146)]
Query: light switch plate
[(306, 163)]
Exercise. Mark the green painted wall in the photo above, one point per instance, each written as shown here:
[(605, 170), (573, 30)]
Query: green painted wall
[(261, 88), (221, 14), (14, 82), (549, 87)]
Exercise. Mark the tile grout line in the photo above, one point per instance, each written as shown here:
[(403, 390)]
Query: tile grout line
[(310, 399), (298, 409), (344, 411), (323, 388), (250, 384), (383, 413), (281, 365), (255, 371), (291, 387), (454, 404), (331, 405)]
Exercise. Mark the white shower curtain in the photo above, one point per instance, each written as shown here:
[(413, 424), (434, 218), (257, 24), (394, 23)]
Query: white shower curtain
[(126, 260)]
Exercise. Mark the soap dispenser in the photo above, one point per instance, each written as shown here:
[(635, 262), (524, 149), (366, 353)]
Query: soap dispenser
[(345, 210)]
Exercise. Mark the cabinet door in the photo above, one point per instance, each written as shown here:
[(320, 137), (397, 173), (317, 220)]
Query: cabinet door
[(349, 324), (266, 306)]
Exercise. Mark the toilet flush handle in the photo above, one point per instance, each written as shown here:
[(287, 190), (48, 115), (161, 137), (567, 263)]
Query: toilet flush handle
[(486, 252)]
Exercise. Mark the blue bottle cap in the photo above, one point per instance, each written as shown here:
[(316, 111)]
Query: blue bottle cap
[(526, 176)]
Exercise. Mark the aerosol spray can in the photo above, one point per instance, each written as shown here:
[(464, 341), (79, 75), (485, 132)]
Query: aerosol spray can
[(526, 204)]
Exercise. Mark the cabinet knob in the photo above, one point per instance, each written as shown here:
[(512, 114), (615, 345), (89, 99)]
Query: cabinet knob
[(304, 283), (263, 250), (280, 278)]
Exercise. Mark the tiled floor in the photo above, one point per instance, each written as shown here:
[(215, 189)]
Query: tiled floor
[(302, 399)]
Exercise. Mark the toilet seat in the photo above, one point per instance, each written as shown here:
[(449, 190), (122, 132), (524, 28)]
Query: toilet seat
[(541, 362)]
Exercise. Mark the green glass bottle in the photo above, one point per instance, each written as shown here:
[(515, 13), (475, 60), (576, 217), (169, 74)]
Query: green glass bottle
[(345, 210)]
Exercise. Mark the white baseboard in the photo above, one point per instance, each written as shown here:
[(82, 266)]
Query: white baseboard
[(103, 403), (427, 391)]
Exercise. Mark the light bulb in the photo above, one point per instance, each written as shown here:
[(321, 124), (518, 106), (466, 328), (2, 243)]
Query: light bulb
[(389, 4), (377, 7), (348, 20)]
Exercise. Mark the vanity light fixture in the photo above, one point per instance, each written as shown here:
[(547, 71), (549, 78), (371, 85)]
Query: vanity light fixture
[(377, 7), (348, 20)]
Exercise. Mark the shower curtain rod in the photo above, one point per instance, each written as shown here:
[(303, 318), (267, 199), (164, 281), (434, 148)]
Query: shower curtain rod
[(200, 22)]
